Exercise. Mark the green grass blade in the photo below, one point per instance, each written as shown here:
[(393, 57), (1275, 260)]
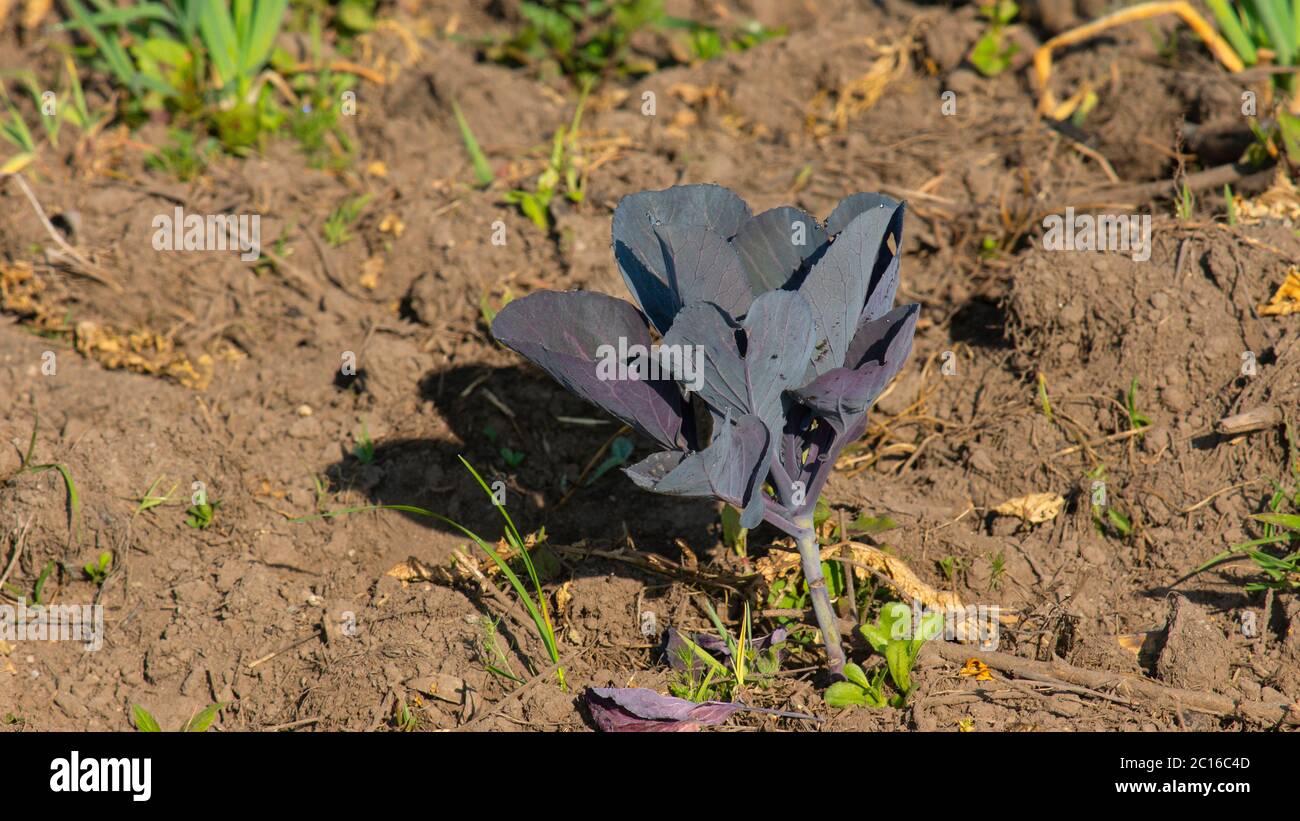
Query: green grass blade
[(113, 52), (265, 25), (1290, 521), (482, 170), (218, 33), (1232, 31), (713, 664), (120, 17), (547, 635), (1271, 17), (78, 97)]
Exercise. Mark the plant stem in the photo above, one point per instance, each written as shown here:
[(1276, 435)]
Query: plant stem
[(810, 556)]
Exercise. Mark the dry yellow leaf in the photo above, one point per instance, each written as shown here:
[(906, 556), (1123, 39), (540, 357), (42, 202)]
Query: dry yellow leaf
[(411, 570), (1287, 299), (1035, 508), (1280, 202), (564, 597), (977, 669)]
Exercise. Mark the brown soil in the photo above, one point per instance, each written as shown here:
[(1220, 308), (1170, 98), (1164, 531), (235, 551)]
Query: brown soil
[(204, 369)]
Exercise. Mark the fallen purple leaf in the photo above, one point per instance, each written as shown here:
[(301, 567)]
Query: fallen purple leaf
[(640, 710)]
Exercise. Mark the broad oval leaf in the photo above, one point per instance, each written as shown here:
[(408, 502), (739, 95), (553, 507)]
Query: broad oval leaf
[(845, 694), (703, 267), (576, 337), (775, 244), (637, 249)]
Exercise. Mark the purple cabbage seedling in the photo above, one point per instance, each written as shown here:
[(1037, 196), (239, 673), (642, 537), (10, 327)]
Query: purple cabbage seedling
[(776, 333)]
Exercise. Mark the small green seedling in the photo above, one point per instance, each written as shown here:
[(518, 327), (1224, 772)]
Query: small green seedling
[(200, 516), (185, 158), (619, 452), (198, 723), (513, 458), (404, 719), (749, 666), (13, 128), (952, 568), (365, 446), (1186, 204), (992, 52), (997, 570), (534, 603), (74, 498), (495, 660), (337, 224), (894, 637), (98, 570), (150, 500), (1281, 568), (1043, 401), (561, 173), (1136, 418), (38, 591)]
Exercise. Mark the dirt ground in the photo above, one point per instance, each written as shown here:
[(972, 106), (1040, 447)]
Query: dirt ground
[(204, 369)]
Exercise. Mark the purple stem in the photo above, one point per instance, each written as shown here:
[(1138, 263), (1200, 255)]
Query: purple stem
[(810, 557)]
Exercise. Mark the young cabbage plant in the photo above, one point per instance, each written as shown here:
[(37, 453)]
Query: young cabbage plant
[(776, 334)]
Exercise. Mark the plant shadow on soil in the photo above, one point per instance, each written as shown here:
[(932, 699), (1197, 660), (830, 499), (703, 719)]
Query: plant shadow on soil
[(426, 472)]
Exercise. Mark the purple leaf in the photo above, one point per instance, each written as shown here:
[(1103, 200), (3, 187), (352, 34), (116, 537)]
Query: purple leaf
[(851, 207), (639, 710), (652, 474), (730, 468), (707, 326), (703, 267), (768, 246), (637, 249), (877, 339), (836, 289), (881, 297), (779, 334), (840, 395), (843, 396), (736, 463), (574, 336), (672, 473)]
